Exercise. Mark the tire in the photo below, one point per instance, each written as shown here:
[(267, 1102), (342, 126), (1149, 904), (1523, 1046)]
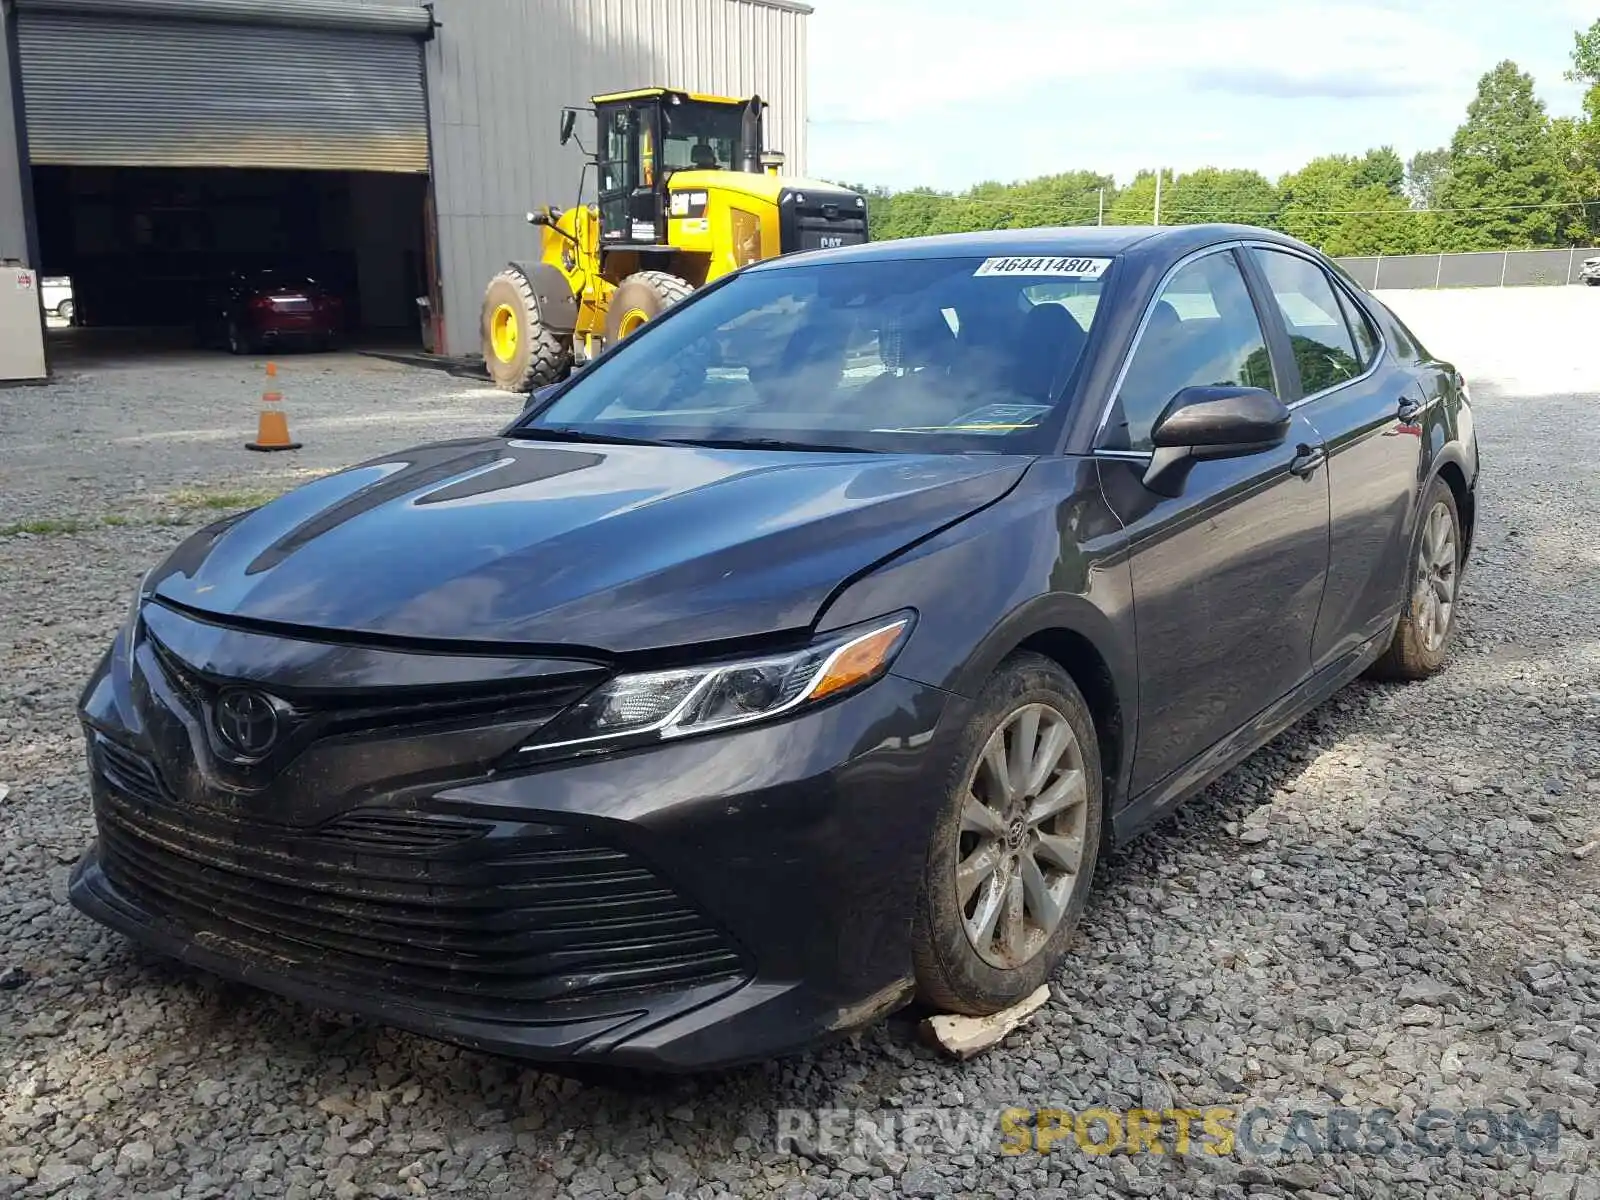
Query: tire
[(519, 351), (67, 310), (1592, 282), (1419, 646), (640, 298), (953, 975)]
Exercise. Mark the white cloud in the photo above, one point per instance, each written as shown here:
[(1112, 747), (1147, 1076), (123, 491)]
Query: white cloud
[(951, 91)]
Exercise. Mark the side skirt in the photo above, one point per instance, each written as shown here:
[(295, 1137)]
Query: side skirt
[(1161, 798)]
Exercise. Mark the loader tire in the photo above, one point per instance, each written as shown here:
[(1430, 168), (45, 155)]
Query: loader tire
[(519, 351), (641, 297)]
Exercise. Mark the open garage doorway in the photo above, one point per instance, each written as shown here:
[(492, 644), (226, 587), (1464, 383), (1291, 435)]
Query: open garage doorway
[(199, 167), (172, 255)]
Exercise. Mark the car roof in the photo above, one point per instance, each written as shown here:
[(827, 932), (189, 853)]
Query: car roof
[(1102, 241)]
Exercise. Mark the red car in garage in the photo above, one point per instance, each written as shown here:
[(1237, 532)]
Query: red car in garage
[(253, 310)]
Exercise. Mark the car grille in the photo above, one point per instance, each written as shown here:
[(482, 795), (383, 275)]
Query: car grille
[(532, 703), (495, 919)]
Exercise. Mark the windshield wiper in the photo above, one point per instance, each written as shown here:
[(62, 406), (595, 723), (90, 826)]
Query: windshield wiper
[(558, 433), (767, 443)]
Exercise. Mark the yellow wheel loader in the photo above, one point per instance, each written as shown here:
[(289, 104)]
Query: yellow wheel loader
[(686, 195)]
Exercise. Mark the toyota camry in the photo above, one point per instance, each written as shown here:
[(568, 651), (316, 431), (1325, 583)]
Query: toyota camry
[(796, 659)]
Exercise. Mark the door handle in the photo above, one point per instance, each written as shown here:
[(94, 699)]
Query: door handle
[(1410, 409), (1308, 460)]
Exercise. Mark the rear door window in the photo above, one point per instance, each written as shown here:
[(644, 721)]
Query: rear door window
[(1324, 348)]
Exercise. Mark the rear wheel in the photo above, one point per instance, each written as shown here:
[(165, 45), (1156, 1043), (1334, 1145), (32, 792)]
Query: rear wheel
[(1012, 859), (1422, 637), (640, 298), (66, 310), (520, 352)]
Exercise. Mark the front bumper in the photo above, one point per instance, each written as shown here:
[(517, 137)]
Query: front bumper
[(793, 851)]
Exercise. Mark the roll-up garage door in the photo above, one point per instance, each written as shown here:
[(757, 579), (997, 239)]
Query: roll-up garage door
[(297, 84)]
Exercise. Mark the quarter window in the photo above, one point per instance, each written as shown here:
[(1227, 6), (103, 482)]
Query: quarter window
[(1361, 326), (1323, 347), (1202, 332)]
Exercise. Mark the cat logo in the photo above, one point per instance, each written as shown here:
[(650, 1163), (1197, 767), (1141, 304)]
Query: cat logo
[(832, 241)]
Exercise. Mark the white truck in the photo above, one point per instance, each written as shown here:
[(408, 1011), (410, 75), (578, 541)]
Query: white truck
[(56, 296)]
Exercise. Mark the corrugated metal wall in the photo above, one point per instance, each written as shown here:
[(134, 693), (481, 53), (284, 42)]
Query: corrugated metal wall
[(13, 219), (499, 72)]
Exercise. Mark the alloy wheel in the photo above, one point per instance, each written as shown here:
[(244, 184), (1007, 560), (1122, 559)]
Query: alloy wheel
[(1022, 836), (1434, 596)]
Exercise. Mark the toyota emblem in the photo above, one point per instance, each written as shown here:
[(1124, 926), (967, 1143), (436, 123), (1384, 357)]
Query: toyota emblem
[(247, 722)]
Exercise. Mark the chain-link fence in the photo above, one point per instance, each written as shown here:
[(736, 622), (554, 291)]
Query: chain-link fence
[(1490, 268)]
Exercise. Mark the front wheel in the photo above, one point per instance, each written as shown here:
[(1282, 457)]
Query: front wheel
[(1422, 637), (1013, 854), (640, 298), (520, 352)]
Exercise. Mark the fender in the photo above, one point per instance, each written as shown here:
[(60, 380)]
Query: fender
[(1007, 576), (1453, 453), (553, 301)]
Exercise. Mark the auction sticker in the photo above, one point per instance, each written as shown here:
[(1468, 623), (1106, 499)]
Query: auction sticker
[(1049, 268)]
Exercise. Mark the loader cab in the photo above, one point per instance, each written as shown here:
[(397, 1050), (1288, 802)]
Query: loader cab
[(646, 136)]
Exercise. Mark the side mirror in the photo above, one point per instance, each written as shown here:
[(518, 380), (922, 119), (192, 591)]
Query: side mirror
[(1212, 422), (569, 121)]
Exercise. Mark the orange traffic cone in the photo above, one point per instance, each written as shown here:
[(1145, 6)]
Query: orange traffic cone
[(272, 430)]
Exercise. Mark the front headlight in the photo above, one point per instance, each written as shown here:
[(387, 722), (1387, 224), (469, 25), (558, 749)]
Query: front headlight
[(661, 705)]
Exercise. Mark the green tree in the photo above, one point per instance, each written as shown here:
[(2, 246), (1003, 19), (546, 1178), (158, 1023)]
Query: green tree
[(1425, 173), (1586, 56), (1136, 203), (1381, 168), (1577, 140), (1315, 196), (1505, 173), (1213, 194), (1349, 206)]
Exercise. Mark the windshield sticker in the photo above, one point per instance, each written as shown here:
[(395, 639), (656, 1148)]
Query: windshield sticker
[(1052, 268), (991, 419)]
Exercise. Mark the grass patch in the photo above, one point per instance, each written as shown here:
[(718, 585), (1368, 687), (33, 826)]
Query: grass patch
[(46, 526), (222, 501), (184, 506), (187, 506)]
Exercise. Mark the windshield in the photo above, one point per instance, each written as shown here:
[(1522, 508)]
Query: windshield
[(921, 354), (700, 135)]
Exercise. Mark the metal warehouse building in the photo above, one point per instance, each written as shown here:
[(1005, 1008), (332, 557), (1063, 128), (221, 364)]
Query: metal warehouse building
[(391, 146)]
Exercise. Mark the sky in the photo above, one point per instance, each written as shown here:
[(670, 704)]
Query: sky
[(947, 93)]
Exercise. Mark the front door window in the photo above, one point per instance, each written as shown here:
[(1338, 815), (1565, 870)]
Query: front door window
[(1202, 332)]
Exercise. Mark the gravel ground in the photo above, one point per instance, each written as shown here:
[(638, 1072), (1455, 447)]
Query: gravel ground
[(1382, 908)]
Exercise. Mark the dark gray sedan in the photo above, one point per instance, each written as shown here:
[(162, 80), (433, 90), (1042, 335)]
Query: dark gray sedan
[(798, 657)]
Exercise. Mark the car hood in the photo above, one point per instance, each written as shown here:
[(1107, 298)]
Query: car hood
[(619, 548)]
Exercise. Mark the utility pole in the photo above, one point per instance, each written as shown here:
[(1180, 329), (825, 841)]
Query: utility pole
[(1158, 195), (1101, 219)]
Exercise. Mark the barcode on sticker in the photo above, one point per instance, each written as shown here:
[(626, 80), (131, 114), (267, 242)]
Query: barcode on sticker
[(1053, 268)]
